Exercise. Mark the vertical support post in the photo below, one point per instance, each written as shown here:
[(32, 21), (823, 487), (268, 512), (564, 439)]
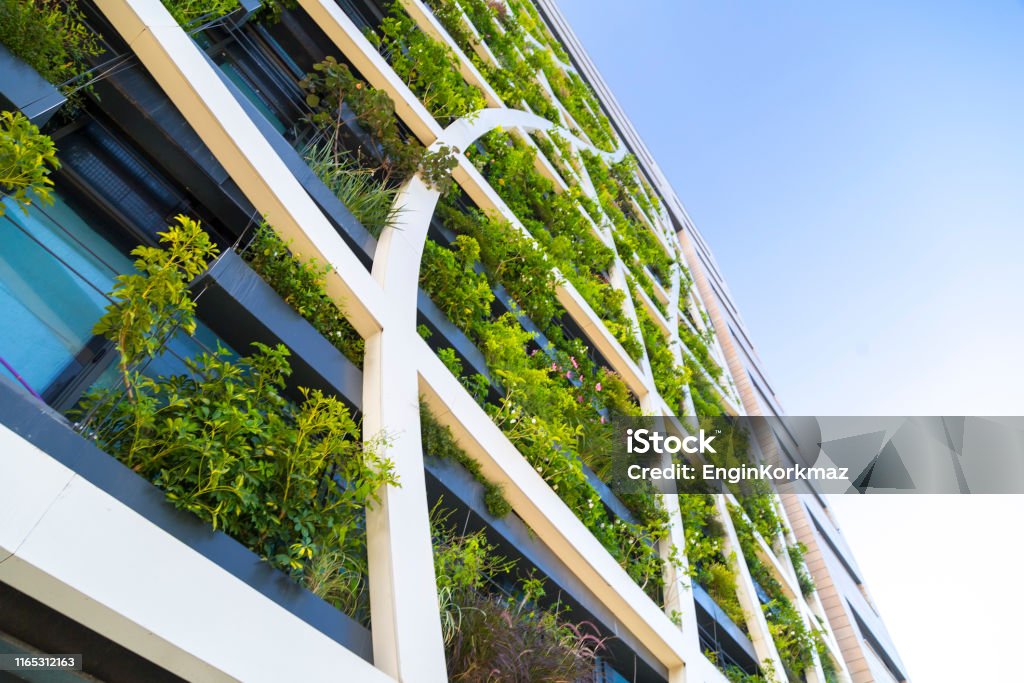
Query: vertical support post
[(407, 642), (407, 639)]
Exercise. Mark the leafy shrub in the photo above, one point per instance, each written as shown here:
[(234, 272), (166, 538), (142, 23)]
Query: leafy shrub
[(698, 346), (515, 261), (704, 549), (27, 157), (516, 77), (618, 189), (427, 66), (490, 637), (796, 556), (464, 295), (439, 442), (669, 378), (332, 85), (554, 423), (795, 642), (302, 285), (291, 482), (557, 222), (191, 12), (50, 36), (551, 408)]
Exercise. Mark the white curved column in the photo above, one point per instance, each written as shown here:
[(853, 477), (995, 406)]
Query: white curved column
[(404, 606), (407, 640)]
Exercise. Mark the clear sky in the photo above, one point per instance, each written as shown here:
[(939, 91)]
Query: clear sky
[(858, 170)]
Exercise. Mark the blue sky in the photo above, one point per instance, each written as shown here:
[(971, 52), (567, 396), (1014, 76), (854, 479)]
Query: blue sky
[(858, 170)]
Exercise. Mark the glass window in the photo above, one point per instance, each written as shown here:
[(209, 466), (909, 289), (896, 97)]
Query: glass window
[(54, 271)]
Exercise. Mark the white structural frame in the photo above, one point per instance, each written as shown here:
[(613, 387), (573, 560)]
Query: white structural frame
[(399, 368)]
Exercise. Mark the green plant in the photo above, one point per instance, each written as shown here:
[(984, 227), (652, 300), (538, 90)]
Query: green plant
[(619, 195), (50, 36), (27, 157), (447, 274), (371, 201), (795, 642), (154, 302), (302, 284), (828, 667), (709, 565), (669, 378), (289, 481), (514, 260), (735, 674), (553, 421), (552, 400), (490, 637), (427, 66), (190, 12), (644, 284), (439, 442), (557, 222), (516, 77), (332, 85), (796, 556)]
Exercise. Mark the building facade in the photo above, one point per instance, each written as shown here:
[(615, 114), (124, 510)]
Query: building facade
[(458, 264)]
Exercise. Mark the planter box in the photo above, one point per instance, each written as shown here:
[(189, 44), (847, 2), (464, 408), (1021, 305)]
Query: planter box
[(347, 226), (242, 308), (50, 432), (726, 636), (23, 89), (512, 538)]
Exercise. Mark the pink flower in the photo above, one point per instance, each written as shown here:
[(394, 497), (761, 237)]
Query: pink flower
[(574, 363), (602, 419), (598, 386), (579, 399), (554, 367), (568, 375)]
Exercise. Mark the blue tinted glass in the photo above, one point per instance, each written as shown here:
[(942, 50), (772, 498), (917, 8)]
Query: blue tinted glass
[(54, 270)]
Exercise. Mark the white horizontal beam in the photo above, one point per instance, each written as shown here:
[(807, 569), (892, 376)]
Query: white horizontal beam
[(75, 548)]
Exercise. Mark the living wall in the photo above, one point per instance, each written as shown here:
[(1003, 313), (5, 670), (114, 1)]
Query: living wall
[(797, 644), (551, 405), (524, 63), (620, 197), (331, 88), (709, 565), (493, 624), (290, 481), (302, 284), (558, 222), (193, 12), (427, 66)]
